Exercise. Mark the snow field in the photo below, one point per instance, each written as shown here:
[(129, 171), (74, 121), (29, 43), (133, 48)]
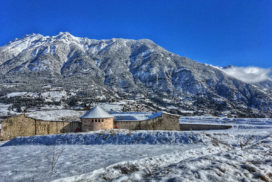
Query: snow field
[(34, 163), (134, 170), (251, 162), (223, 157)]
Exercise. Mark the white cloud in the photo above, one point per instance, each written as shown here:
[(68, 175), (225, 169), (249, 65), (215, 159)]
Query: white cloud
[(249, 74)]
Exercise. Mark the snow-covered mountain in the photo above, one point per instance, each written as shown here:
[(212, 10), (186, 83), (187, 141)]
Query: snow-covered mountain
[(124, 68)]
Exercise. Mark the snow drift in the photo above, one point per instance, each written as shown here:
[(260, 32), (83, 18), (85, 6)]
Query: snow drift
[(108, 137)]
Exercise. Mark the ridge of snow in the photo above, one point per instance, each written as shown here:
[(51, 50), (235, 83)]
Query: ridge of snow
[(102, 137)]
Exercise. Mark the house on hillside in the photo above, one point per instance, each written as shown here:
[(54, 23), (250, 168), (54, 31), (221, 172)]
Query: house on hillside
[(47, 122)]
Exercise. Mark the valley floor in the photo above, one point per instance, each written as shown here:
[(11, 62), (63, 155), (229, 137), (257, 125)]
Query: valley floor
[(227, 155)]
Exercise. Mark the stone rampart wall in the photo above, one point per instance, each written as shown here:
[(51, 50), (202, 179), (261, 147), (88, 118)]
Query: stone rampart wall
[(24, 126), (163, 122)]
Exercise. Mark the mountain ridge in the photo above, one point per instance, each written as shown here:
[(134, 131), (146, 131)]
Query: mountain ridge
[(128, 68)]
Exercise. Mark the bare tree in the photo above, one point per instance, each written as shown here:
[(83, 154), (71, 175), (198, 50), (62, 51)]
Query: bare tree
[(54, 156)]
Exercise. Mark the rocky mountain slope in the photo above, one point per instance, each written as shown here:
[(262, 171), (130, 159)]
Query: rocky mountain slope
[(115, 69)]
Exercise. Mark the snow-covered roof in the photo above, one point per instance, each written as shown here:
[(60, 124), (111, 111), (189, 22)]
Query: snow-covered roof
[(134, 116), (56, 115), (97, 112)]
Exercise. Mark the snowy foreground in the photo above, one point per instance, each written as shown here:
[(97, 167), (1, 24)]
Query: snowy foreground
[(227, 155)]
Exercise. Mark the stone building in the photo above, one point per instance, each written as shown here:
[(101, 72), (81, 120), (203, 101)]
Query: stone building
[(96, 119), (47, 122)]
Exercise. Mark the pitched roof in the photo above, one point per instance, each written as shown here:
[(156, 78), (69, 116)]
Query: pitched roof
[(97, 112)]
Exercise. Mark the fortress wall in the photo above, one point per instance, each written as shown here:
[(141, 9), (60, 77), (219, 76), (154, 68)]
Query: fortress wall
[(24, 126), (17, 126), (56, 127), (163, 122)]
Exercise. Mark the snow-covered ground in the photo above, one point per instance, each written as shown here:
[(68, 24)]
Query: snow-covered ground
[(221, 156), (16, 94), (54, 95), (36, 163), (237, 154), (112, 107), (4, 109), (225, 120)]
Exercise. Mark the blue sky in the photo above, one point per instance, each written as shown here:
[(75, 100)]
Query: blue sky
[(218, 32)]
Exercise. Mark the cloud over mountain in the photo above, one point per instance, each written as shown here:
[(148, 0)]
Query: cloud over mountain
[(249, 74)]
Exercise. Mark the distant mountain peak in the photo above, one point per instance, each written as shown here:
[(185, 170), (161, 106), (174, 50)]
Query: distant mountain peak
[(65, 33)]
